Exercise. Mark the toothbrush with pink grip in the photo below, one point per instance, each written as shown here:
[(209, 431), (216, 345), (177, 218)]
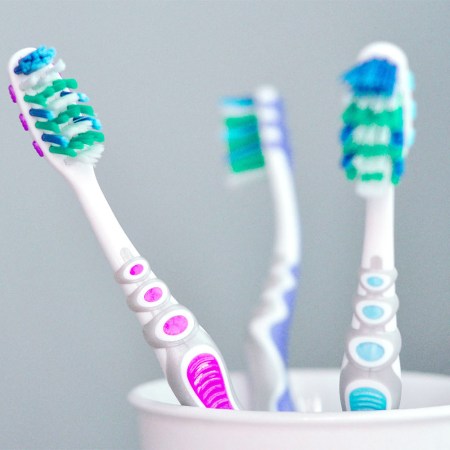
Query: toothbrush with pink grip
[(66, 131)]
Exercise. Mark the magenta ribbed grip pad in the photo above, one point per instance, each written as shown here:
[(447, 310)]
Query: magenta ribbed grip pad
[(207, 381)]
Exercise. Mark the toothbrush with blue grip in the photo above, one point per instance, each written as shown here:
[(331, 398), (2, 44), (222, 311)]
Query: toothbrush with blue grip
[(377, 134), (257, 139), (66, 132)]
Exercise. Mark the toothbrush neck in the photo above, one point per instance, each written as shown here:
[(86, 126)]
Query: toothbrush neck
[(107, 229), (379, 230), (287, 223)]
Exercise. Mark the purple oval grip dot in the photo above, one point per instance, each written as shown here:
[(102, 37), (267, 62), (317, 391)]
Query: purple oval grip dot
[(153, 294), (136, 269), (175, 325)]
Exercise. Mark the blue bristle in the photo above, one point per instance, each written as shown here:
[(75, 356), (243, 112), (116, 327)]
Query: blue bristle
[(96, 124), (42, 113), (237, 101), (397, 139), (34, 61), (346, 160), (373, 77), (346, 132), (55, 139), (399, 167), (81, 97)]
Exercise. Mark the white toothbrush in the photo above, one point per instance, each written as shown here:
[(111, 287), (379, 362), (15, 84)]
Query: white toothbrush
[(66, 133), (376, 138)]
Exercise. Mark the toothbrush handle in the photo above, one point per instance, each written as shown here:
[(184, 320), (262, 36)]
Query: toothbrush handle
[(192, 363), (268, 339), (268, 336), (370, 376)]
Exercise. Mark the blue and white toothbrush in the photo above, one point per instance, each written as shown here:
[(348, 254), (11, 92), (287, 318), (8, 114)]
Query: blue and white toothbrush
[(66, 132), (377, 134), (257, 138)]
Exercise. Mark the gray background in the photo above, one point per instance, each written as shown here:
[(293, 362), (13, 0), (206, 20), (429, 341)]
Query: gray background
[(70, 349)]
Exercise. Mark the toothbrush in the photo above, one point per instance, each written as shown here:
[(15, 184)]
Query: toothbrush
[(376, 137), (66, 132), (257, 139)]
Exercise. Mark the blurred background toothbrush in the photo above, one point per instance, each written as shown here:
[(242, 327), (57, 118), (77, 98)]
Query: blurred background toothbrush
[(257, 139), (376, 137), (66, 131)]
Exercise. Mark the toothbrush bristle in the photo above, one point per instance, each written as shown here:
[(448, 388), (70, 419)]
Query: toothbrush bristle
[(377, 131), (373, 77), (242, 135), (35, 60), (68, 124)]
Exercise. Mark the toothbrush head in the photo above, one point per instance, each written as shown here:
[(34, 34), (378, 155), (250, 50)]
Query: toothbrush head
[(64, 128), (242, 134), (378, 119), (254, 126)]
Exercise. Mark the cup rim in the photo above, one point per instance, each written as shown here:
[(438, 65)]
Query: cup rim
[(141, 402)]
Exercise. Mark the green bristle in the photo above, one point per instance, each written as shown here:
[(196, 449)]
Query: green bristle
[(395, 179), (57, 86), (86, 109), (65, 83), (232, 122), (237, 143), (351, 172), (87, 138), (254, 162), (372, 150), (39, 99), (374, 176), (71, 112), (244, 146), (48, 126), (62, 151), (354, 115)]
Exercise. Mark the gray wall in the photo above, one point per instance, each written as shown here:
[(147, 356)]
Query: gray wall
[(70, 348)]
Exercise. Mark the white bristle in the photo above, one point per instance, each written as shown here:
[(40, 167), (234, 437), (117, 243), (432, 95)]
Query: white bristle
[(60, 104), (41, 78), (74, 128), (371, 135), (378, 104), (237, 111), (90, 156)]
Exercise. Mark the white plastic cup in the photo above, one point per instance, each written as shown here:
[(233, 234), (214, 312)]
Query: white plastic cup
[(422, 422)]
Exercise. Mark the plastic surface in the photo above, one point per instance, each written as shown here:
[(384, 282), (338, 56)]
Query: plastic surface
[(268, 330), (376, 140), (422, 423)]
